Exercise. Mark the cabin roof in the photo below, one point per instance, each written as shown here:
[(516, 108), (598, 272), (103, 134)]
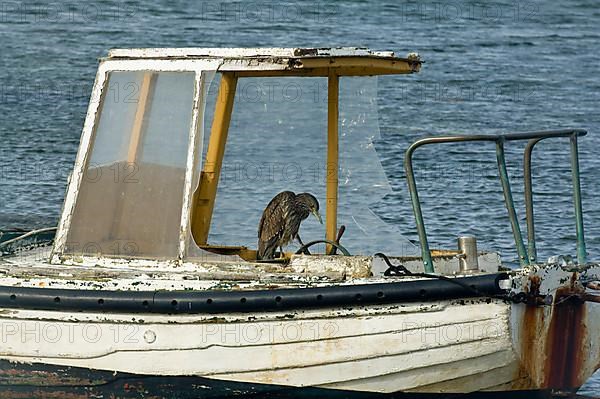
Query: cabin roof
[(346, 61), (208, 52)]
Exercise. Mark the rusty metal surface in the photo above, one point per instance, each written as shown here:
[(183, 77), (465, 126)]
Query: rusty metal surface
[(556, 346), (565, 344)]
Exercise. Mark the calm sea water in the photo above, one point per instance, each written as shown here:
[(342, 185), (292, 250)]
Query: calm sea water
[(502, 66)]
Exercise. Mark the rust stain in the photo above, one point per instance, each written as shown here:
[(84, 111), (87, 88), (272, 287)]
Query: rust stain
[(591, 298), (532, 321), (552, 348), (532, 324), (565, 340), (533, 289)]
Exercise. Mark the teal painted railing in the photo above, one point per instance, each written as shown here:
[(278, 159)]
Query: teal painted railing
[(526, 255)]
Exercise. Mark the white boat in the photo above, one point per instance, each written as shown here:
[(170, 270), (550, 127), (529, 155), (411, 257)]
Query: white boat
[(131, 300)]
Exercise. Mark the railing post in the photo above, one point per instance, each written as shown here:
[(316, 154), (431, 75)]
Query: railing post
[(529, 255), (531, 249), (581, 251), (510, 205), (416, 204)]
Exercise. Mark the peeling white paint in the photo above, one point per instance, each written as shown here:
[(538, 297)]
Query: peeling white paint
[(192, 52)]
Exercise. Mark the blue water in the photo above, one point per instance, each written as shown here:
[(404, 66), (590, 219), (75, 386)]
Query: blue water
[(503, 66)]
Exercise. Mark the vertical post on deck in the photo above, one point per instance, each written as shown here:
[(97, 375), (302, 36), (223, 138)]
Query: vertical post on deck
[(416, 205), (528, 193), (333, 82), (204, 197), (510, 204), (581, 250)]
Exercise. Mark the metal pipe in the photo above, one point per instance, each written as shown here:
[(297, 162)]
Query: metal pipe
[(414, 194), (581, 251), (510, 205), (333, 89), (416, 204), (204, 197), (468, 260), (531, 249), (499, 140), (543, 134)]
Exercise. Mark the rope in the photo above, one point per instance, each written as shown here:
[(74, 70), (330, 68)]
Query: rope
[(521, 297), (401, 270), (28, 234)]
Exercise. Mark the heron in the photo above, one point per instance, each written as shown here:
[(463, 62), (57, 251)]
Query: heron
[(281, 220)]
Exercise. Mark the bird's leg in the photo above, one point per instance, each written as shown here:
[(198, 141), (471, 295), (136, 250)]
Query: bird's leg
[(281, 255)]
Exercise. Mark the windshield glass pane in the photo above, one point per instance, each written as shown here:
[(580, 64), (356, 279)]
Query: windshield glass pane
[(278, 141), (130, 199)]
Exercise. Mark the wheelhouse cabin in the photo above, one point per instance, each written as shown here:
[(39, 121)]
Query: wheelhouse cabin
[(145, 184)]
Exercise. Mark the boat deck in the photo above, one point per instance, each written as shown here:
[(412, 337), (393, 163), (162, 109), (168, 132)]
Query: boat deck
[(32, 269)]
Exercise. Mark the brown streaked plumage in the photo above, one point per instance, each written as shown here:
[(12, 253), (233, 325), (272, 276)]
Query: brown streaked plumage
[(281, 220)]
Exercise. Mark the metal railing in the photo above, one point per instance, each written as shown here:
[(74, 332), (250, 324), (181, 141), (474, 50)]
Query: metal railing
[(527, 255)]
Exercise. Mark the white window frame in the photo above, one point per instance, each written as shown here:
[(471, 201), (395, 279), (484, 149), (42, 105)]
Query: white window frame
[(204, 71)]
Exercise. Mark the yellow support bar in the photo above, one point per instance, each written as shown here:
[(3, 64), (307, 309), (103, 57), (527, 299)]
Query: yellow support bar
[(345, 66), (204, 197), (143, 105), (333, 84)]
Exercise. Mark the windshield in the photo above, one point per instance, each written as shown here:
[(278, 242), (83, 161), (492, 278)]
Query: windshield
[(278, 141), (130, 199)]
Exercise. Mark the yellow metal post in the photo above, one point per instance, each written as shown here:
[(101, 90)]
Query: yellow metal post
[(143, 105), (204, 197), (333, 83)]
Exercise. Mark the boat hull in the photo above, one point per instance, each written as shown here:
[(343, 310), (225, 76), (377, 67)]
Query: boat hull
[(21, 381), (383, 349), (459, 345), (548, 339)]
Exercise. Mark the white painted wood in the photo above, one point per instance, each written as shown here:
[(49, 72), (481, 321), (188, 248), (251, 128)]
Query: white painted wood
[(500, 369), (192, 52), (31, 269), (412, 325), (477, 359), (372, 343), (441, 346), (202, 81), (88, 129), (78, 169)]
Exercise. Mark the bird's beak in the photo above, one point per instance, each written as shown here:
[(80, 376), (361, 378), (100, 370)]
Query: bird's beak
[(318, 216)]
